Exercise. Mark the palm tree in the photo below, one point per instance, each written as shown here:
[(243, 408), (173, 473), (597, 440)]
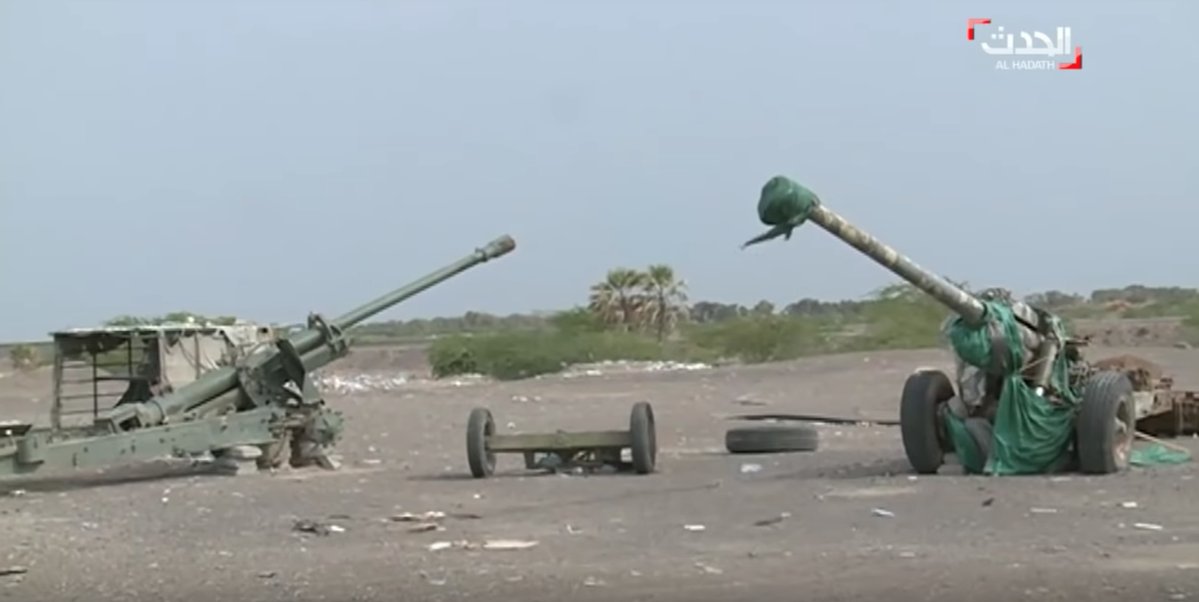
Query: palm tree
[(616, 300), (665, 297)]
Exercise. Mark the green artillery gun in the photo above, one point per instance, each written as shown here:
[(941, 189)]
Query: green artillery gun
[(1026, 400), (197, 389)]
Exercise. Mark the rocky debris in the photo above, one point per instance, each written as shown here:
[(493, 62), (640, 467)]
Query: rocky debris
[(626, 366), (316, 527), (362, 382), (372, 381)]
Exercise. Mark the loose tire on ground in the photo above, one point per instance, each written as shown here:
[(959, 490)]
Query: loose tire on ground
[(923, 394), (478, 428), (645, 438), (1106, 424), (771, 439)]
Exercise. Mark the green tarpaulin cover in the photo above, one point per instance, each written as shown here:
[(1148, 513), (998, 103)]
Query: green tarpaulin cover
[(1031, 435)]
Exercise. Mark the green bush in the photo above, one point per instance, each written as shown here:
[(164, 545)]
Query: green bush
[(524, 354), (761, 338), (577, 320), (24, 356), (902, 324), (895, 321)]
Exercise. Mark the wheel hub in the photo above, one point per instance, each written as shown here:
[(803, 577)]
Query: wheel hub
[(1123, 435)]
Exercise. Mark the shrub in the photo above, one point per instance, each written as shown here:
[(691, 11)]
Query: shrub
[(902, 324), (761, 338), (24, 356), (524, 354)]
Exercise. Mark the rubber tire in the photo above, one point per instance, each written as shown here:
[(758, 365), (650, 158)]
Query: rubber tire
[(1104, 396), (982, 433), (923, 394), (771, 439), (642, 430), (478, 428)]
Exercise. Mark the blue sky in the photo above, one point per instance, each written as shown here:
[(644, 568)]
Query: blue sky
[(270, 158)]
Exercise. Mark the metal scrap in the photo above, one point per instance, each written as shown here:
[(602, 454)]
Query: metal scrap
[(316, 527), (816, 418)]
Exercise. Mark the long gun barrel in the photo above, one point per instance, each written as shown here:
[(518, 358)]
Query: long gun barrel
[(785, 205), (312, 347)]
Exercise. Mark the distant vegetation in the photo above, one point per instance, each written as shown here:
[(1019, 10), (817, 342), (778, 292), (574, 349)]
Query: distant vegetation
[(24, 356), (646, 315), (643, 315), (173, 317)]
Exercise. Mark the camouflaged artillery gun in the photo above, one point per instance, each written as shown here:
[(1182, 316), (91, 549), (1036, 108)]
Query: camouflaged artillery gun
[(1026, 400), (194, 389)]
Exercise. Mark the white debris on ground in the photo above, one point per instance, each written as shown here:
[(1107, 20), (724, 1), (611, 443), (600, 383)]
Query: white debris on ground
[(610, 367), (362, 382)]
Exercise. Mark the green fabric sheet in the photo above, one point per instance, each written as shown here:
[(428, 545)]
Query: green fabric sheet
[(1031, 434)]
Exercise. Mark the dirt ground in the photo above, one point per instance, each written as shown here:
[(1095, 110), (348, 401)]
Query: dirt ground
[(184, 535)]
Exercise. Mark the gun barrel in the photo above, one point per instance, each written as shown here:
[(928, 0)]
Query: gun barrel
[(225, 379), (308, 339), (961, 302)]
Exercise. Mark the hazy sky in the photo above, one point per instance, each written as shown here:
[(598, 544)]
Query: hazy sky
[(270, 158)]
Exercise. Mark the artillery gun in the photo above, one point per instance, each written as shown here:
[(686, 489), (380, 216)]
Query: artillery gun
[(1026, 400), (193, 389)]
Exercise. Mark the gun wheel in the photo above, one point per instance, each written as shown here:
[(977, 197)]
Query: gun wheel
[(275, 454), (923, 394), (644, 448), (479, 427), (1106, 424)]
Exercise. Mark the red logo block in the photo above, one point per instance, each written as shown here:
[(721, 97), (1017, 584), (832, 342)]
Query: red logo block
[(970, 23)]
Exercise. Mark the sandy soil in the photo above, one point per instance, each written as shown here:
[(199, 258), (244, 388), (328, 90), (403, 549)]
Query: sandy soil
[(186, 536)]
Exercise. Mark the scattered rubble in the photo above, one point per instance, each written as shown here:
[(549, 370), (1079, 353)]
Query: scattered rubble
[(766, 522), (626, 366), (509, 544), (362, 382), (408, 517), (316, 527), (491, 544)]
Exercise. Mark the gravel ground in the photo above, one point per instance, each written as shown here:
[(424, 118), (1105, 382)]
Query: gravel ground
[(846, 522)]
